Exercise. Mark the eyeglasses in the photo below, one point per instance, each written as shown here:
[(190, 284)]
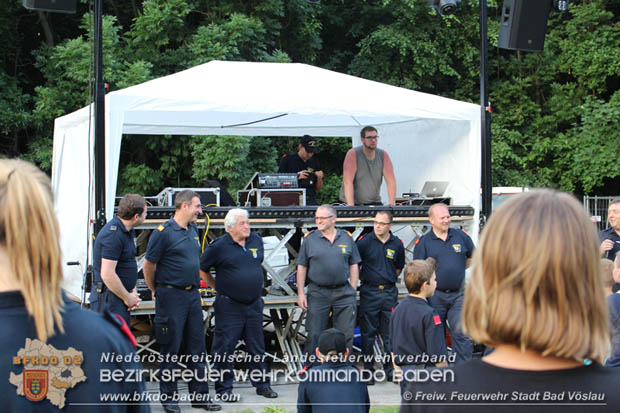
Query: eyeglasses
[(382, 224), (323, 218), (371, 137)]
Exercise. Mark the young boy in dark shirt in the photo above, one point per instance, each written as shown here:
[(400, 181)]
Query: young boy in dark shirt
[(416, 331), (334, 385)]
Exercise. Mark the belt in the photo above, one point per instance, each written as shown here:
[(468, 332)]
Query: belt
[(185, 288), (379, 286), (447, 291), (331, 286), (237, 301)]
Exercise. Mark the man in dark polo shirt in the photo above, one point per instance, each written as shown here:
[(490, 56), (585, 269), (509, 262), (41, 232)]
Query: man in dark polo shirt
[(383, 259), (610, 237), (236, 258), (172, 272), (114, 260), (452, 249), (329, 259)]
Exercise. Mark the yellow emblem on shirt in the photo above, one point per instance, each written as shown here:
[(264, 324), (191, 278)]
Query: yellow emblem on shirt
[(254, 252), (389, 253), (343, 247), (161, 228), (457, 247)]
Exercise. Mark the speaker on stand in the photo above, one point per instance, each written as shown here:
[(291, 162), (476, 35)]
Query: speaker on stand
[(523, 24)]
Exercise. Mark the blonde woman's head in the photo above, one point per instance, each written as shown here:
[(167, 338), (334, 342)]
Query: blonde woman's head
[(29, 235), (536, 280)]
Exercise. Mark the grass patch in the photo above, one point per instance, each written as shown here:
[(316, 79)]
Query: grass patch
[(384, 409)]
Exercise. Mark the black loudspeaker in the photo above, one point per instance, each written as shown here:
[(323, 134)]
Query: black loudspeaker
[(58, 6), (523, 24)]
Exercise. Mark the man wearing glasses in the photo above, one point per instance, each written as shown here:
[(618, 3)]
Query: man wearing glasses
[(383, 259), (329, 259), (363, 170)]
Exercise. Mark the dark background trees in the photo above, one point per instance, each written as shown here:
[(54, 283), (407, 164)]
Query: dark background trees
[(556, 114)]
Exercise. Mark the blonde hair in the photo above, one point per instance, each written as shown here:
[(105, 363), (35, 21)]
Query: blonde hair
[(535, 280), (29, 233), (607, 272)]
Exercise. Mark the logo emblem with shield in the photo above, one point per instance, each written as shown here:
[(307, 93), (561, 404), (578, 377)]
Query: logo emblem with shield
[(35, 384)]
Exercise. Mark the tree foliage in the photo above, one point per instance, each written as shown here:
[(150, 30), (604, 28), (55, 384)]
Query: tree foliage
[(555, 114)]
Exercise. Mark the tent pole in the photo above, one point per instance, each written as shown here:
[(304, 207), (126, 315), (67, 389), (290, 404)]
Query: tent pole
[(100, 218), (485, 111)]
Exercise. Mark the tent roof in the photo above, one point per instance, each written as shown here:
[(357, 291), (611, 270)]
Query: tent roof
[(249, 98)]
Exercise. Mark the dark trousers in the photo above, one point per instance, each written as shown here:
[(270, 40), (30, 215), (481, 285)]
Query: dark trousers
[(234, 321), (178, 320), (108, 300), (375, 312), (321, 301), (449, 307)]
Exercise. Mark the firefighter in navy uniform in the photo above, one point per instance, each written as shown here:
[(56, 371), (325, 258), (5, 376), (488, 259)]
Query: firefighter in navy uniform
[(56, 357), (321, 391), (172, 272), (114, 260), (383, 258), (236, 258), (452, 249)]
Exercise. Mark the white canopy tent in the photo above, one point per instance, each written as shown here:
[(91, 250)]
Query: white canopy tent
[(428, 137)]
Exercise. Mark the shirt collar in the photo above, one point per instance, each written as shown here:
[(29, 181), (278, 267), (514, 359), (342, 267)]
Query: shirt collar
[(338, 232), (119, 223), (374, 236), (434, 236), (176, 226)]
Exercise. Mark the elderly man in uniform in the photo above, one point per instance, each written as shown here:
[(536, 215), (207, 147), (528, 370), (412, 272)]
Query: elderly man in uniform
[(610, 237), (114, 259), (363, 170), (172, 272), (329, 258), (452, 249), (236, 258), (383, 259)]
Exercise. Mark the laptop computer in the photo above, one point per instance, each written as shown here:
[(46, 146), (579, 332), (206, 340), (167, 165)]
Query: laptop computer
[(434, 189)]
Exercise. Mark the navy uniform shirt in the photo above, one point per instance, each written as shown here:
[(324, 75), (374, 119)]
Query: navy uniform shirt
[(115, 242), (328, 263), (380, 260), (82, 385), (416, 329), (239, 274), (293, 163), (176, 251), (611, 234), (321, 391), (451, 256)]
